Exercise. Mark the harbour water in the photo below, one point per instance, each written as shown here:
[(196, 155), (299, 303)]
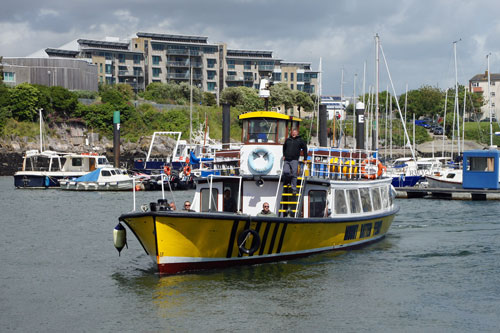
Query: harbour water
[(437, 271)]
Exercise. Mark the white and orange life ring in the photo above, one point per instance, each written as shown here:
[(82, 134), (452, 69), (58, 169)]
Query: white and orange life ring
[(373, 161), (187, 170), (167, 170)]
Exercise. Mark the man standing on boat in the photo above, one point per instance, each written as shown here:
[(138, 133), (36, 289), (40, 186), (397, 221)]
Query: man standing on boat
[(291, 153)]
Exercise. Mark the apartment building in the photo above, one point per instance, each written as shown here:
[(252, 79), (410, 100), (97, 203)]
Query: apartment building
[(154, 57), (479, 84), (297, 75)]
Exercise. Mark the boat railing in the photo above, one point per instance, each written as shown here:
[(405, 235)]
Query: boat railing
[(344, 164)]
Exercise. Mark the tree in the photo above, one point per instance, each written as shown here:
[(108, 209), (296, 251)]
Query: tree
[(24, 102), (64, 102), (303, 101), (250, 99), (281, 94), (208, 99), (232, 95)]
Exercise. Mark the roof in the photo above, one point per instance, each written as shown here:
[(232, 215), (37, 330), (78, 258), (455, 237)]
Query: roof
[(173, 38), (268, 114), (484, 77)]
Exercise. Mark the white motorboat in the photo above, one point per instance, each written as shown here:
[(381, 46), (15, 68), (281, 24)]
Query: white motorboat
[(102, 179)]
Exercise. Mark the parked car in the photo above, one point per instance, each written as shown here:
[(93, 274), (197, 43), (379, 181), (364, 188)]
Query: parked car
[(438, 131)]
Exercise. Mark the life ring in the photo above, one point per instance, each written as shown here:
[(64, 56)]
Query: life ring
[(187, 170), (260, 160), (255, 241), (369, 175), (167, 170)]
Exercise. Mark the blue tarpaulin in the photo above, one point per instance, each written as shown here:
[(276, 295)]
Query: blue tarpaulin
[(89, 177), (194, 160)]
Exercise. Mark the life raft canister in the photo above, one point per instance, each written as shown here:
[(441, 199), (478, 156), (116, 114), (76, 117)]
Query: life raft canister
[(260, 160)]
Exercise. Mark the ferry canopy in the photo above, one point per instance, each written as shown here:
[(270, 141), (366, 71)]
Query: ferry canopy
[(268, 114)]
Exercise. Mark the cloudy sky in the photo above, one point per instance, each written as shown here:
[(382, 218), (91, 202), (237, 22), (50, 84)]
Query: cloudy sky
[(417, 36)]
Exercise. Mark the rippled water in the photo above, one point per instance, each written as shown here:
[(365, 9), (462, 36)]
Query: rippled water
[(437, 270)]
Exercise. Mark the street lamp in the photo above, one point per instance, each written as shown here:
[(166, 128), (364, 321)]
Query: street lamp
[(48, 72)]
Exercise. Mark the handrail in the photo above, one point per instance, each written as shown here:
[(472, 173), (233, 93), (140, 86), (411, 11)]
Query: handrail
[(276, 206)]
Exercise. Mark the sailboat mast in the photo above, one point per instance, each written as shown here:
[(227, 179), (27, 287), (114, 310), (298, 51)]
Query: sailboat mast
[(41, 133), (489, 100), (444, 118), (377, 61), (319, 99)]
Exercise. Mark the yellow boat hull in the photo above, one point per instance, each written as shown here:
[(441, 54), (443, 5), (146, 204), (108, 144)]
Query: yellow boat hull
[(179, 242)]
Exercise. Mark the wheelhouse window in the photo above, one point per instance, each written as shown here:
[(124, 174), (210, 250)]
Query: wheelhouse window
[(282, 135), (317, 203), (481, 164), (262, 130), (205, 200), (340, 202), (354, 203), (377, 201), (366, 201), (105, 173), (76, 161), (385, 196)]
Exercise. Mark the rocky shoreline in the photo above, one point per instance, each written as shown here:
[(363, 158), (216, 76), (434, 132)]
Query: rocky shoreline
[(74, 138)]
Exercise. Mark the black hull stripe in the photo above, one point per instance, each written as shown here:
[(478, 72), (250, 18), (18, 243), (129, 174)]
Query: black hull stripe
[(257, 228), (280, 244), (232, 239), (273, 239), (264, 238)]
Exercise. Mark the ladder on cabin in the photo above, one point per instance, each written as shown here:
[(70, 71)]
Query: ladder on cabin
[(290, 202)]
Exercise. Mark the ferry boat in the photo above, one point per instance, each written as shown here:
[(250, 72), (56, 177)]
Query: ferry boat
[(343, 201)]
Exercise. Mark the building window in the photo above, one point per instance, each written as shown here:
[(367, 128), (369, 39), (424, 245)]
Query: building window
[(492, 83), (492, 94), (276, 76), (248, 65), (317, 203), (291, 86), (211, 63), (156, 72), (286, 76), (121, 58), (137, 58), (291, 76), (100, 68), (230, 64), (109, 69), (300, 87), (211, 75), (475, 84), (9, 77), (211, 86), (157, 47), (300, 77), (156, 60)]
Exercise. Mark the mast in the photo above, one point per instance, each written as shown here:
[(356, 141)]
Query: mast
[(354, 108), (319, 98), (41, 133), (444, 119), (489, 100), (190, 101), (390, 115), (377, 61), (406, 106)]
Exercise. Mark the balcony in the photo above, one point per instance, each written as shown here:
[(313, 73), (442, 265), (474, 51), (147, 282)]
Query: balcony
[(130, 73), (183, 52), (182, 76), (266, 68), (196, 64), (234, 78)]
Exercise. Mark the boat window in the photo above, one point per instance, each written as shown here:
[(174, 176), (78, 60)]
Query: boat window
[(317, 203), (377, 202), (354, 203), (105, 173), (481, 164), (340, 204), (102, 160), (366, 230), (77, 161), (262, 130), (282, 135), (385, 196), (450, 175), (244, 132), (205, 198), (366, 202)]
